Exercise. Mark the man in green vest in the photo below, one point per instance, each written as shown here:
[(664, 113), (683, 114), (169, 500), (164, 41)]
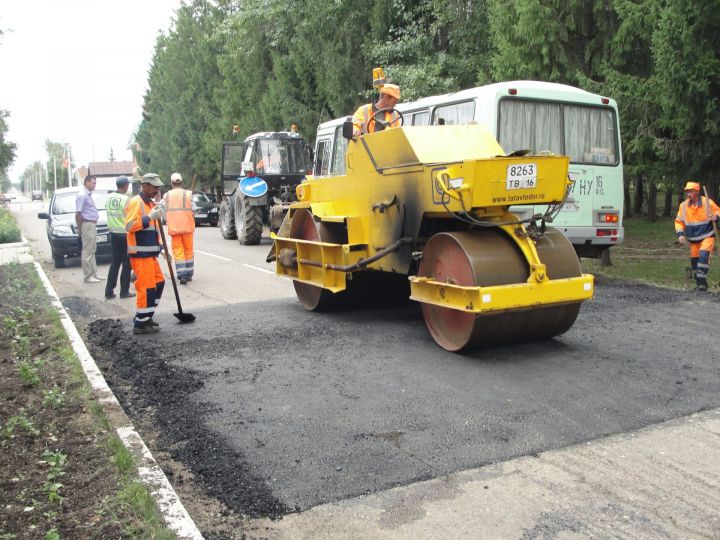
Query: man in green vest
[(115, 206)]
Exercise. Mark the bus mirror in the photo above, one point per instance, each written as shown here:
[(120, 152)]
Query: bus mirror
[(348, 129)]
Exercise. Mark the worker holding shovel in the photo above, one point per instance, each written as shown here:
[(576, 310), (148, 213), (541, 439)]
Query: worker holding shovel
[(695, 224)]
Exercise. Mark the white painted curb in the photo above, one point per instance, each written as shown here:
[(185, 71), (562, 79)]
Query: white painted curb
[(174, 514)]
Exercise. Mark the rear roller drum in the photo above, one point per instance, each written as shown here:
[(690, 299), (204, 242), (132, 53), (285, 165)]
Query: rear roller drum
[(485, 258)]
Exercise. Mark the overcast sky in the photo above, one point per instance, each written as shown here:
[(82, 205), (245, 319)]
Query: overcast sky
[(75, 71)]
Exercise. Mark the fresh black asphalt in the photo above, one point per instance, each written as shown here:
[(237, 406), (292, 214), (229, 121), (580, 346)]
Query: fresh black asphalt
[(276, 409)]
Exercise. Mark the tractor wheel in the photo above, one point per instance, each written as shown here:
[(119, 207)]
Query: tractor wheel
[(227, 221), (248, 221)]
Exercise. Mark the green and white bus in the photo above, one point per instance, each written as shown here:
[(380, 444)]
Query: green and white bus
[(541, 116)]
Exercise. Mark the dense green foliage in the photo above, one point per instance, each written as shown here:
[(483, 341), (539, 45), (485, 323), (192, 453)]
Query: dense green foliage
[(7, 148), (264, 64), (9, 230), (7, 152)]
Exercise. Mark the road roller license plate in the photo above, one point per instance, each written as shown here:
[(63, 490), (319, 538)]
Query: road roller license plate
[(521, 176)]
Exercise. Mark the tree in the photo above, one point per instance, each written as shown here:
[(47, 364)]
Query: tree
[(686, 45), (57, 173), (179, 110), (7, 150)]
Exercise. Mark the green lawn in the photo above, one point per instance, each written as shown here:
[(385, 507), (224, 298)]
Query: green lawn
[(651, 255)]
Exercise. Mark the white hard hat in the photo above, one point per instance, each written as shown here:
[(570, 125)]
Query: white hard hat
[(176, 177)]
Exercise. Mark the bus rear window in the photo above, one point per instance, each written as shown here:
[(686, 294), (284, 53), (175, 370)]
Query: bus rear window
[(586, 134), (530, 125), (590, 135)]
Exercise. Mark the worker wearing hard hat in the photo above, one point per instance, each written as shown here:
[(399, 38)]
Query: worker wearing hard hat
[(142, 223), (695, 224), (181, 227), (364, 120)]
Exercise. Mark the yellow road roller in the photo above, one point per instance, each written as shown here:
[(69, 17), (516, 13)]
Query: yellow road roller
[(431, 203)]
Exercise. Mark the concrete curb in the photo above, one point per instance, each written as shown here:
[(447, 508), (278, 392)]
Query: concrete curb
[(173, 512), (15, 252)]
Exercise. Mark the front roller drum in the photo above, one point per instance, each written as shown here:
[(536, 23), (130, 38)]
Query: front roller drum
[(489, 257)]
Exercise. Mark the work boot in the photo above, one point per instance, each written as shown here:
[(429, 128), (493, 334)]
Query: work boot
[(110, 295), (145, 328), (92, 279), (153, 323), (183, 281), (702, 287), (127, 294)]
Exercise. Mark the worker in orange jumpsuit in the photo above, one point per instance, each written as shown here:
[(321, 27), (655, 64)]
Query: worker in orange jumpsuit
[(181, 227), (142, 222), (363, 120), (694, 224)]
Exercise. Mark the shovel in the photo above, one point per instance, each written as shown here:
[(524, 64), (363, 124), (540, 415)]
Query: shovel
[(180, 316)]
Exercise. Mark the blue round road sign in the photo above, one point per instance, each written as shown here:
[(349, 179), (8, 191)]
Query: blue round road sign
[(253, 186)]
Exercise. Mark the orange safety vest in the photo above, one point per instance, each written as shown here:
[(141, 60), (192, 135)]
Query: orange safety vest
[(179, 213), (361, 118), (693, 220), (143, 238)]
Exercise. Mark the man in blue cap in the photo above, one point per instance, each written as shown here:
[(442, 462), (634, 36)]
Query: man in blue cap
[(115, 206)]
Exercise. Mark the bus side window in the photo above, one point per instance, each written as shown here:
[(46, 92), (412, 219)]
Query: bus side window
[(322, 158), (421, 119), (455, 114)]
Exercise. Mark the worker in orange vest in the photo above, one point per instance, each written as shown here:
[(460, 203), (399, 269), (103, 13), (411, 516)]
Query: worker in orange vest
[(142, 223), (695, 224), (181, 227), (363, 120)]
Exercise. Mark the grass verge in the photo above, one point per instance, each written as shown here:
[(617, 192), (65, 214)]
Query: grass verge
[(650, 254), (9, 230), (66, 474)]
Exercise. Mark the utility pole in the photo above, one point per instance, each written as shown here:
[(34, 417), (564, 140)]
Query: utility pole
[(54, 174), (69, 161)]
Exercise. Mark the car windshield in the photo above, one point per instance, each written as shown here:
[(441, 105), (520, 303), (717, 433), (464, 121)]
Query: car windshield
[(202, 197), (65, 202)]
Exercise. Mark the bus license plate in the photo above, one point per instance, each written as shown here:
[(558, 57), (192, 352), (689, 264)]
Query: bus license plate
[(101, 238), (521, 176)]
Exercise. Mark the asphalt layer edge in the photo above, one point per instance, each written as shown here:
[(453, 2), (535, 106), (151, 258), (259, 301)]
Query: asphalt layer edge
[(173, 512)]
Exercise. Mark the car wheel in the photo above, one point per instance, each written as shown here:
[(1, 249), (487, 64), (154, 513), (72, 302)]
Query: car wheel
[(59, 261)]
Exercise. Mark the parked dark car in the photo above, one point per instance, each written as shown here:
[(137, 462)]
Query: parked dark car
[(36, 195), (61, 229), (205, 208)]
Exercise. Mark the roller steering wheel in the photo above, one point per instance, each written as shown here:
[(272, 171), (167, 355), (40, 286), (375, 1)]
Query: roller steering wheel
[(383, 124)]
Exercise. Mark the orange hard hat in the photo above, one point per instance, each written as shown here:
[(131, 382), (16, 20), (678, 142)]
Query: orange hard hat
[(692, 186), (392, 90)]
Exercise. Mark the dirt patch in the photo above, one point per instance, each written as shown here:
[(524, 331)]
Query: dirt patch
[(145, 383), (43, 418)]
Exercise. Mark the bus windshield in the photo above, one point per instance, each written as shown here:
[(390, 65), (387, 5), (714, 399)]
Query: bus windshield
[(585, 133)]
